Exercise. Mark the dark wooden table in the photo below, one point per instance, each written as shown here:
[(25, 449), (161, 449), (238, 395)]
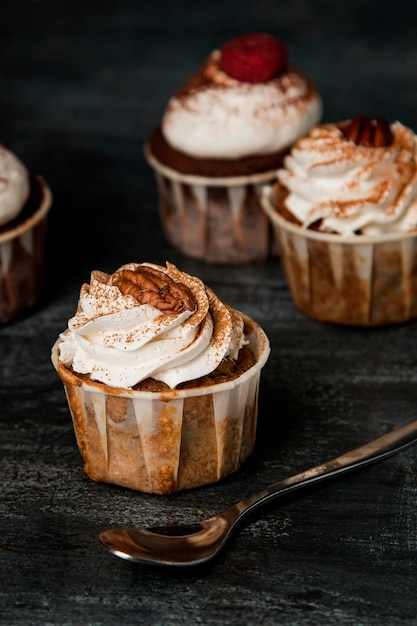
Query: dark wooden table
[(82, 85)]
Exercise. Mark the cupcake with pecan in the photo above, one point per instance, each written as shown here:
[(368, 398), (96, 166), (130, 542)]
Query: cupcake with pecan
[(25, 200), (344, 209), (221, 138), (161, 378)]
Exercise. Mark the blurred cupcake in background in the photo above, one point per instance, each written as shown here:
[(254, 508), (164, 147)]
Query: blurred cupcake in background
[(25, 200), (344, 209), (221, 138)]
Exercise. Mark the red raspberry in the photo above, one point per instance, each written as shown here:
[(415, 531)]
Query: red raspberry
[(253, 58)]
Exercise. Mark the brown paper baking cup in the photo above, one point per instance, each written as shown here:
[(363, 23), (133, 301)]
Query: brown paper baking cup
[(164, 442), (22, 256), (217, 220), (355, 280)]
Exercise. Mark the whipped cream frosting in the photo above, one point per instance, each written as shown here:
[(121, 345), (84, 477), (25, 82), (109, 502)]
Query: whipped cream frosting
[(14, 185), (123, 331), (216, 116), (352, 188)]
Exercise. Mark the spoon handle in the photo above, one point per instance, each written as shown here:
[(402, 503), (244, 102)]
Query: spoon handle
[(376, 450)]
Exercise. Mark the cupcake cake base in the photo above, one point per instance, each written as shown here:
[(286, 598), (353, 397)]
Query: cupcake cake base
[(356, 280), (164, 441), (22, 254), (214, 218)]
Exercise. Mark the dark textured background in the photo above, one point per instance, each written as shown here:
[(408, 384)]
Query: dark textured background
[(81, 86)]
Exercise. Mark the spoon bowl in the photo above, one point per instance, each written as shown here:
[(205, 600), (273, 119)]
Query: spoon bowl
[(182, 544), (198, 542)]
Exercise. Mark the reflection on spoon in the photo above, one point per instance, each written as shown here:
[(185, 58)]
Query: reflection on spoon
[(196, 543)]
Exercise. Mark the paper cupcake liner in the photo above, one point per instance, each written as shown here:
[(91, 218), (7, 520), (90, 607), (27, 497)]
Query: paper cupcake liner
[(22, 257), (164, 442), (357, 280), (217, 220)]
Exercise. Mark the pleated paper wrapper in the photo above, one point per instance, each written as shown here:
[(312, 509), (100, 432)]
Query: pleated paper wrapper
[(165, 442), (22, 256), (216, 220), (357, 280)]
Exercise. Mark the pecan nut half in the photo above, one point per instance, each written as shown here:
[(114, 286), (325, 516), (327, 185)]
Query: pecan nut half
[(151, 286), (368, 132)]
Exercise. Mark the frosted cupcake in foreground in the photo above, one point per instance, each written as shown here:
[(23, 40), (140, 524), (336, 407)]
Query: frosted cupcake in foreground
[(161, 378), (25, 201), (222, 137), (345, 212)]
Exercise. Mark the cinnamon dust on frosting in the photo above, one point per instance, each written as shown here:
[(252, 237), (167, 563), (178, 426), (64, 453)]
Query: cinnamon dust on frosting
[(348, 188), (148, 321), (215, 116)]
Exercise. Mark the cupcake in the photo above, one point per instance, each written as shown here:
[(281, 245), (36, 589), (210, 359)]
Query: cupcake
[(344, 208), (25, 200), (162, 379), (222, 137)]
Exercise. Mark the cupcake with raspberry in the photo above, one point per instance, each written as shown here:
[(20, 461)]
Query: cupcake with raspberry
[(25, 200), (161, 378), (222, 137), (344, 209)]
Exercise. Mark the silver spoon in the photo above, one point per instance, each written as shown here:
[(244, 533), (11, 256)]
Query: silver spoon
[(192, 544)]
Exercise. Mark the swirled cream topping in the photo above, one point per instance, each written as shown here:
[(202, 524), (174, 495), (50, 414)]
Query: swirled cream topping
[(146, 320), (350, 188), (14, 185), (217, 116)]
